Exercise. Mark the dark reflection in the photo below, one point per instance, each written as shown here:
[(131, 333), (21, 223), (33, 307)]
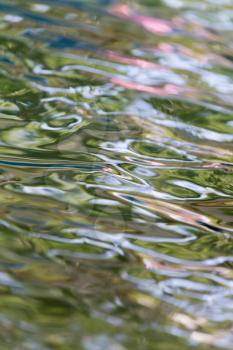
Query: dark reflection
[(116, 175)]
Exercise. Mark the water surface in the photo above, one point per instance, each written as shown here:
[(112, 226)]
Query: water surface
[(116, 164)]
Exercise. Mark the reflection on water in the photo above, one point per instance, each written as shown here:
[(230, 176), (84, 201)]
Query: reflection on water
[(116, 174)]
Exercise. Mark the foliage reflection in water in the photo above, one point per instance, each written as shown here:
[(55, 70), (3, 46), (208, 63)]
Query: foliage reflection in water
[(116, 174)]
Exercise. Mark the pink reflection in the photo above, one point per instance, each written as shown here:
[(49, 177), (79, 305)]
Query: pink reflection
[(121, 10), (115, 56), (165, 47), (168, 89), (153, 264), (160, 26), (153, 25)]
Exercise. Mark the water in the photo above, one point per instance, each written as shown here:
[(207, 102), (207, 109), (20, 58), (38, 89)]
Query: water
[(116, 174)]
